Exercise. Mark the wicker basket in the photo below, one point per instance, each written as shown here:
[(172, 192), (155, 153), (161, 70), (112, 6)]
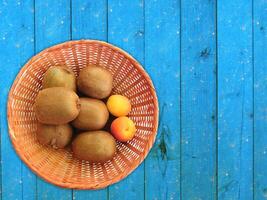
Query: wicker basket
[(59, 166)]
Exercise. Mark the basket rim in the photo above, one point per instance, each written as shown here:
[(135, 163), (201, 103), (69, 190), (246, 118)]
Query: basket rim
[(83, 186)]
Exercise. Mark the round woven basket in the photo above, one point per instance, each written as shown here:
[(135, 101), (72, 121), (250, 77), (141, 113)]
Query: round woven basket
[(59, 166)]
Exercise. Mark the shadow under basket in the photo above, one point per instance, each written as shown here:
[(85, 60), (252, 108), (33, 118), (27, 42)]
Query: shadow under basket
[(59, 166)]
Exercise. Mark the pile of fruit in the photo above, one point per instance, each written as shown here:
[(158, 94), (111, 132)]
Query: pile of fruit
[(62, 111)]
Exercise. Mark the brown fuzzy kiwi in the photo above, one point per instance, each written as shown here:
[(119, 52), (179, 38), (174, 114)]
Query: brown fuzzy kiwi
[(59, 76), (95, 82), (93, 115), (56, 105), (57, 136), (94, 146)]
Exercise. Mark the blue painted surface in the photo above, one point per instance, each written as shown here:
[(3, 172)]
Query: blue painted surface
[(18, 33), (162, 62), (260, 98), (235, 100), (198, 100), (208, 62)]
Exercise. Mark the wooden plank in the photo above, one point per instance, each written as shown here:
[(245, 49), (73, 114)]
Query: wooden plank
[(90, 194), (126, 30), (162, 62), (29, 187), (17, 42), (89, 21), (52, 26), (235, 100), (52, 23), (260, 99), (198, 99)]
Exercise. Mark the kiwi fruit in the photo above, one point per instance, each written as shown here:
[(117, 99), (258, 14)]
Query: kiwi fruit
[(59, 76), (94, 146), (57, 136), (93, 114), (56, 105), (95, 81)]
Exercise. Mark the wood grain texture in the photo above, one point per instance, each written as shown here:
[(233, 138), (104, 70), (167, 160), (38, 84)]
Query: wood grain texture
[(162, 62), (235, 100), (126, 30), (89, 19), (198, 99), (17, 46), (52, 26), (94, 27), (260, 99), (52, 23)]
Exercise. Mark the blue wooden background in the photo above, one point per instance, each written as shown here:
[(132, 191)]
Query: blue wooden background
[(208, 61)]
